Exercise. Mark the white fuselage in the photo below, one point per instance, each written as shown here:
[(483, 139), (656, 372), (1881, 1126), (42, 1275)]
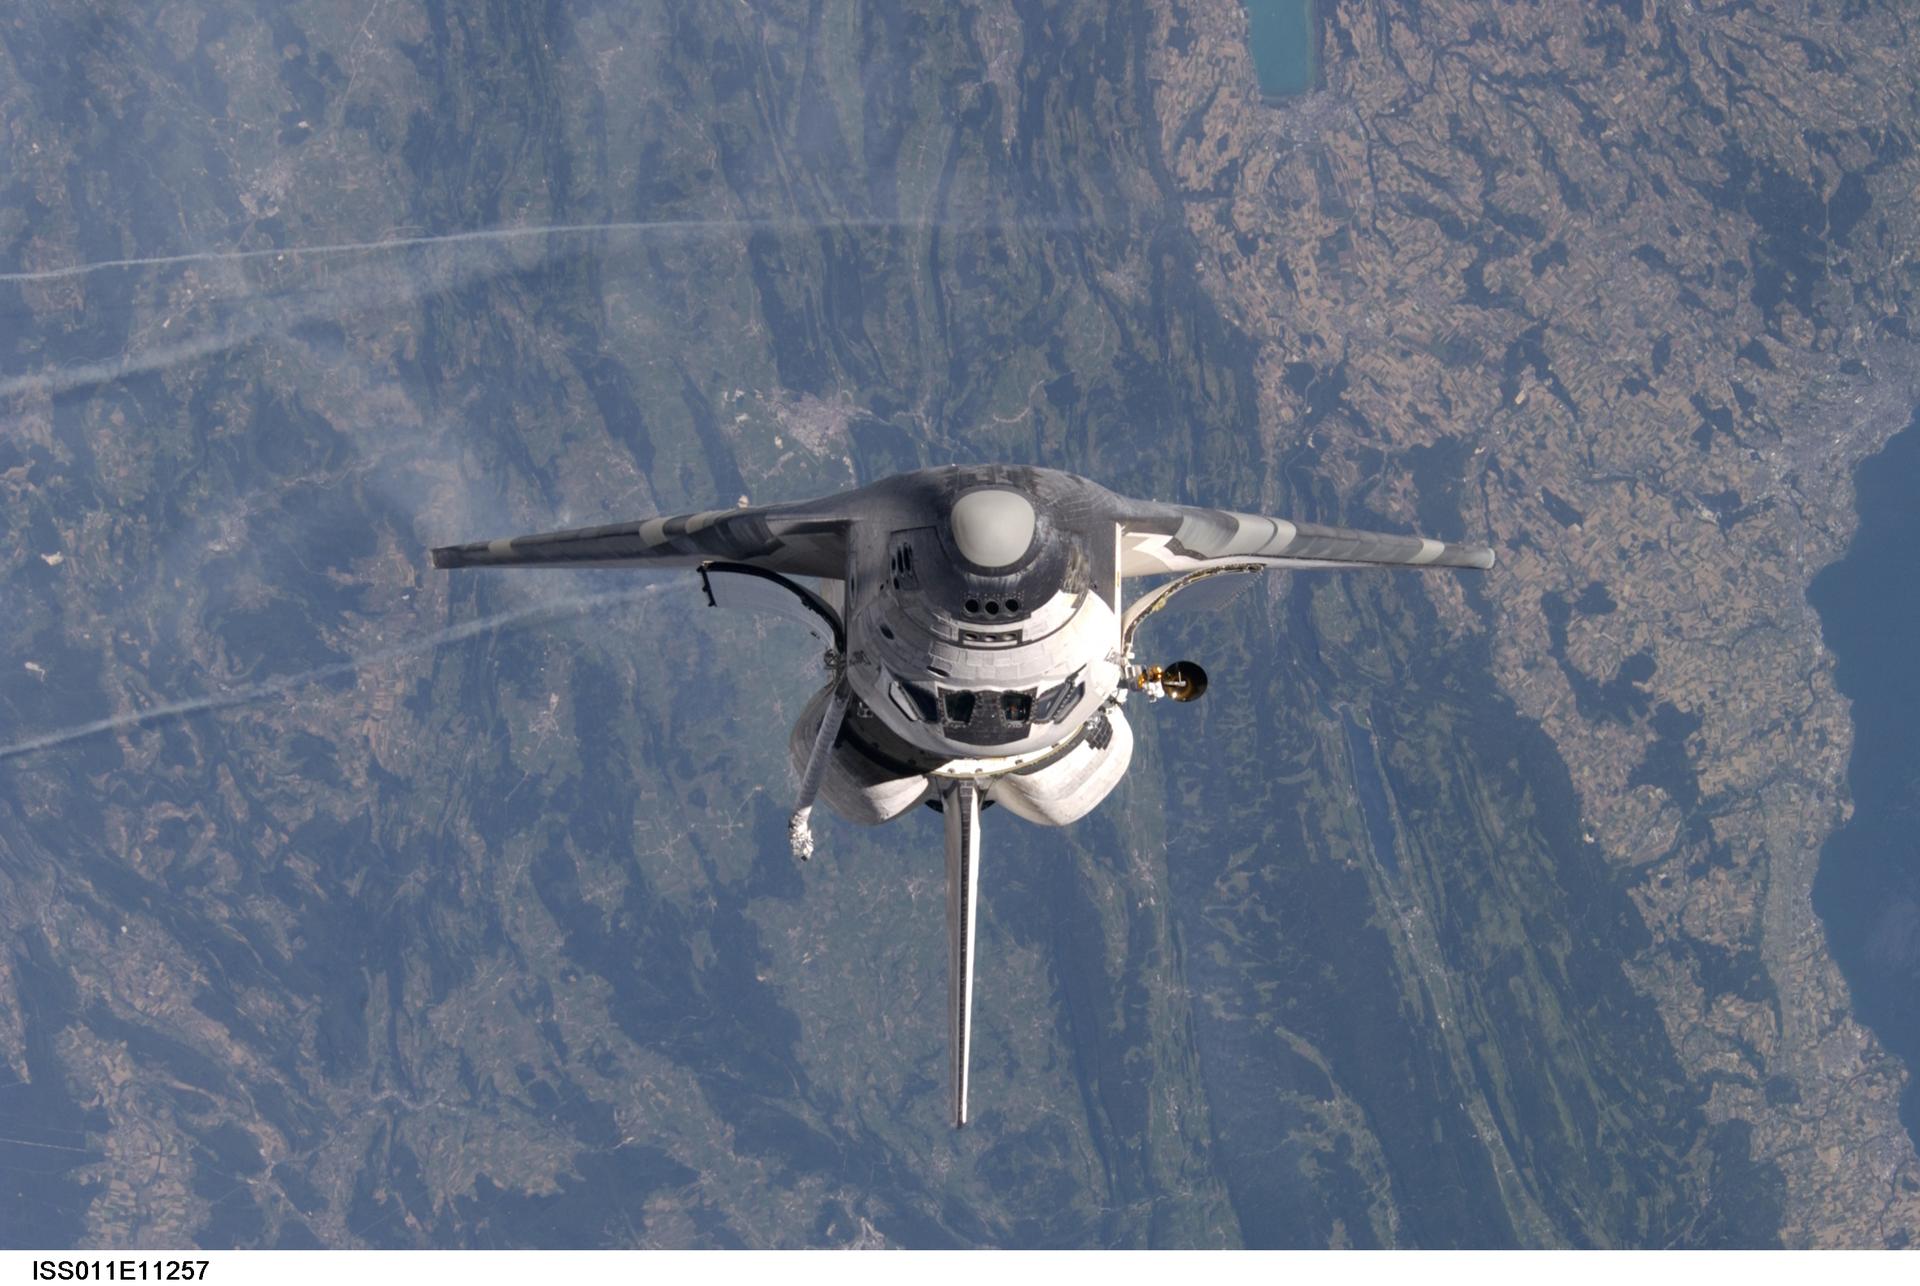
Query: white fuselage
[(1069, 646), (982, 643)]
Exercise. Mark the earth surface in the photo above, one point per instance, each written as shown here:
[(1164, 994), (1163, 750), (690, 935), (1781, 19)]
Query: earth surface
[(345, 903)]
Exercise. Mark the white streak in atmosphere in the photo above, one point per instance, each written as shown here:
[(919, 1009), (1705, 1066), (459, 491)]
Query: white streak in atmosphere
[(270, 687), (360, 289), (447, 238), (64, 379)]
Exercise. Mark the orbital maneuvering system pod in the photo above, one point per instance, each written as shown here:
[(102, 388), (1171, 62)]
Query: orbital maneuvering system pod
[(978, 648)]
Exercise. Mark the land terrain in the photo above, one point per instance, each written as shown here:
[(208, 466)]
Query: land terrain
[(406, 909)]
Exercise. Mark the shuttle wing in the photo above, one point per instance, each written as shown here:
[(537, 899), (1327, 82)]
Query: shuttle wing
[(1159, 538), (796, 540)]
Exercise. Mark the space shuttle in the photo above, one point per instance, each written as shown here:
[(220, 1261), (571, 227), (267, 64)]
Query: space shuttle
[(978, 642)]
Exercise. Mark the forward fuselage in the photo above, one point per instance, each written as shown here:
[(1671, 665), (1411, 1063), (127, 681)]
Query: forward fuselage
[(983, 625)]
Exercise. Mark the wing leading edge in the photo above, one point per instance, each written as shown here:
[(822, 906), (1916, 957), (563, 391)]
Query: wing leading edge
[(791, 539), (1159, 538)]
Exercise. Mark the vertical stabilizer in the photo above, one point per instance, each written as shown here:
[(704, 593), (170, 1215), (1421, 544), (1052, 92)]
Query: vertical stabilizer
[(961, 805)]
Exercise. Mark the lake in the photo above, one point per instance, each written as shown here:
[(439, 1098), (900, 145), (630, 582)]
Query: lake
[(1285, 38), (1868, 888)]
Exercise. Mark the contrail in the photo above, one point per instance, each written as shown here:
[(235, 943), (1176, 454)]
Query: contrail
[(446, 238), (56, 380), (64, 379), (258, 691), (359, 290)]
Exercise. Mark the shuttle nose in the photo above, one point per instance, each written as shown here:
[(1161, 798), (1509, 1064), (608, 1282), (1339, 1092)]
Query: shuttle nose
[(992, 527)]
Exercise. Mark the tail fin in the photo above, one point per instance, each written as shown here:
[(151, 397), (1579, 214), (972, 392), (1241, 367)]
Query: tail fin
[(960, 802)]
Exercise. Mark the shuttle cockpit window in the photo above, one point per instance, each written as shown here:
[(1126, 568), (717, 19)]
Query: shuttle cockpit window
[(959, 707)]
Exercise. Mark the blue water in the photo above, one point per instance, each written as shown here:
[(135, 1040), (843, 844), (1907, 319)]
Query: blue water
[(1285, 38), (1868, 888)]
